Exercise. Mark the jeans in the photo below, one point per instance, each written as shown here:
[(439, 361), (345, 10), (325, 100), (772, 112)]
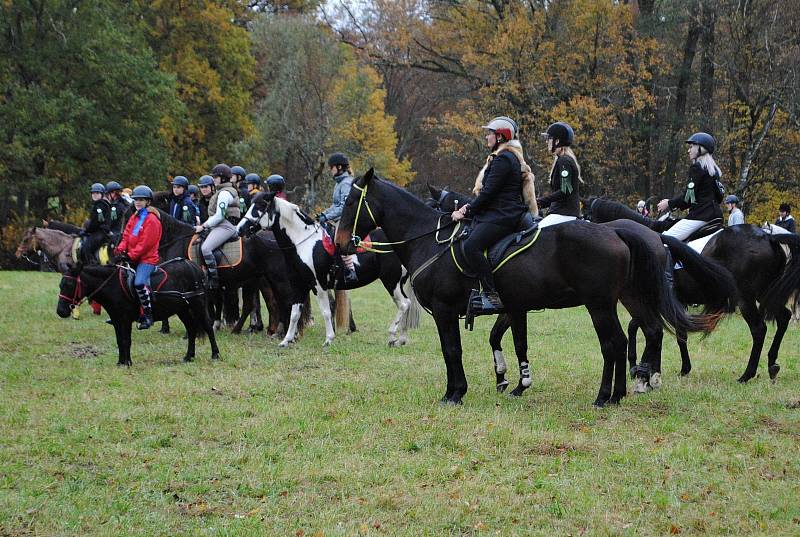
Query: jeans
[(143, 272)]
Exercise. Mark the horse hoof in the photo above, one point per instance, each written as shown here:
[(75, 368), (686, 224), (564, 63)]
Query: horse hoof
[(502, 386), (615, 399), (745, 378), (188, 358), (394, 343), (686, 372), (774, 369), (451, 401), (655, 381), (236, 331), (162, 331), (327, 343), (640, 386), (599, 403), (517, 392), (633, 372), (215, 356)]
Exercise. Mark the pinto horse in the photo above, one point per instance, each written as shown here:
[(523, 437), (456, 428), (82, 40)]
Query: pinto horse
[(302, 242), (717, 282), (177, 290), (571, 264), (765, 279)]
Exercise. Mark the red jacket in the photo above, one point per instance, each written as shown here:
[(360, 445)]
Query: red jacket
[(142, 248)]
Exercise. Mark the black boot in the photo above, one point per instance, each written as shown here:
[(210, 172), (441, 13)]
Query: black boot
[(349, 274), (146, 320), (213, 274)]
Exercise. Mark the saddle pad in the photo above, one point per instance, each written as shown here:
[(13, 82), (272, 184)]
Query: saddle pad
[(229, 255), (698, 244), (502, 251), (103, 253)]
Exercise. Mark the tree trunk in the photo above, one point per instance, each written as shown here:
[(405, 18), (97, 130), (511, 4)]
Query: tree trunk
[(707, 65)]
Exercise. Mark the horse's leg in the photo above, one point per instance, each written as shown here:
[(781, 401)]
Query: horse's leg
[(256, 320), (293, 320), (648, 375), (125, 350), (273, 308), (247, 310), (782, 322), (450, 340), (230, 305), (633, 327), (204, 322), (501, 325), (119, 332), (612, 345), (402, 304), (325, 307), (191, 332), (519, 329), (683, 344), (164, 327), (758, 330)]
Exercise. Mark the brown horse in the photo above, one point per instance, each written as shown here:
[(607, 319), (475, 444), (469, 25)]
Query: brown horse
[(56, 245)]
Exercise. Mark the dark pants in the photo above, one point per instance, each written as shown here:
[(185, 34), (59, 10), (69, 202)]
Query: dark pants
[(90, 244), (483, 236)]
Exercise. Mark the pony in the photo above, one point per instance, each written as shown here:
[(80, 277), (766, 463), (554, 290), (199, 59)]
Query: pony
[(765, 267), (56, 245), (302, 241), (717, 282), (571, 264), (177, 290)]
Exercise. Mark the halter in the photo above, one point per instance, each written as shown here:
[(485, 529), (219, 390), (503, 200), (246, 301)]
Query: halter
[(75, 300), (357, 241)]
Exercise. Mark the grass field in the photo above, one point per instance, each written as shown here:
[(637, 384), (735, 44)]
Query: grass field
[(350, 440)]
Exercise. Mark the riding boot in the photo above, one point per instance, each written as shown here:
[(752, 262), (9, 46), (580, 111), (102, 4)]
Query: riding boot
[(349, 271), (146, 320), (213, 274), (486, 302)]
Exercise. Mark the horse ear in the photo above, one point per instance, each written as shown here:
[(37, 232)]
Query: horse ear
[(367, 177), (435, 192)]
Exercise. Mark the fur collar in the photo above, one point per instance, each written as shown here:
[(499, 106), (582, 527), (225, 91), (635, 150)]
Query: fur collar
[(528, 189)]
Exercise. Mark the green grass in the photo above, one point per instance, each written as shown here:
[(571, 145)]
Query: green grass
[(350, 440)]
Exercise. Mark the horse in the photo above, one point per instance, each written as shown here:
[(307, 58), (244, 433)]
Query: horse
[(302, 242), (56, 245), (766, 279), (717, 282), (262, 265), (177, 290), (546, 276)]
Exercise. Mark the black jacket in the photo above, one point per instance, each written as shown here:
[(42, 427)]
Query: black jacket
[(787, 224), (705, 206), (500, 199), (565, 198), (117, 214), (202, 205), (99, 217)]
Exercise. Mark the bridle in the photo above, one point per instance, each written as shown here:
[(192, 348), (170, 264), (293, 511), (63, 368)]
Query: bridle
[(256, 221), (76, 299)]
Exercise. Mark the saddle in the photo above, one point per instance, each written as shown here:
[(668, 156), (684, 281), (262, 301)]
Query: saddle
[(228, 255), (102, 255), (158, 278), (523, 238), (712, 226)]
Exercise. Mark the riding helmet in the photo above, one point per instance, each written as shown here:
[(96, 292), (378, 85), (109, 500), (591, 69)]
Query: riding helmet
[(252, 179), (562, 133), (113, 186), (142, 192), (206, 180), (704, 140), (223, 170), (338, 159), (785, 207), (180, 180), (238, 170), (193, 189), (276, 181), (732, 199), (504, 126), (98, 188)]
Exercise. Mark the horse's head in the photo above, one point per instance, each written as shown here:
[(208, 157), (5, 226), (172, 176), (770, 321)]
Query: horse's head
[(444, 200), (28, 243), (361, 214), (70, 292), (261, 213)]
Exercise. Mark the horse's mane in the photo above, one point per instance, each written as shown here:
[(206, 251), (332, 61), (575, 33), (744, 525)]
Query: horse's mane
[(172, 225), (603, 210), (287, 210)]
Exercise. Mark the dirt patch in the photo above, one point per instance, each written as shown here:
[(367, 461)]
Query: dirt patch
[(555, 450), (78, 350)]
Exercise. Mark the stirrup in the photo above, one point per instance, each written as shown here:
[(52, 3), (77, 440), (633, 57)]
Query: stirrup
[(350, 276), (486, 303)]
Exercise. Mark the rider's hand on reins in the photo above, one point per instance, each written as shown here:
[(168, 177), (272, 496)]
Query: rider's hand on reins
[(460, 213)]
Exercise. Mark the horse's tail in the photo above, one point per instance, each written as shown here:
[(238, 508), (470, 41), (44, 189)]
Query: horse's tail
[(305, 315), (646, 278), (411, 318), (786, 288), (718, 286), (342, 311)]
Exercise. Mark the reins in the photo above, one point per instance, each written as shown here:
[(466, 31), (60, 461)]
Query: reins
[(75, 301)]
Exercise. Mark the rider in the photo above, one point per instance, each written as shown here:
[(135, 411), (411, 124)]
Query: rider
[(736, 215), (97, 228), (253, 182), (641, 208), (237, 181), (340, 169), (194, 192), (565, 177), (223, 215), (496, 211), (785, 219), (181, 206), (702, 195), (206, 186), (119, 206), (276, 183), (140, 246)]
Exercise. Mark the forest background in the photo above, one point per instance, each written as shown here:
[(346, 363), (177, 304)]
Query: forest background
[(140, 91)]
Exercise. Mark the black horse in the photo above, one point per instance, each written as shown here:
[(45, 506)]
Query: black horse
[(572, 264), (764, 279), (178, 290), (718, 293)]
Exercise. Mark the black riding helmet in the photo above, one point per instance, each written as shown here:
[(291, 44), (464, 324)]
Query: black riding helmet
[(224, 172), (338, 159), (704, 140), (561, 132)]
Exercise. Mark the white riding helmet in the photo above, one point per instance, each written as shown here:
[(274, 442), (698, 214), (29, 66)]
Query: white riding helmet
[(504, 126), (640, 205)]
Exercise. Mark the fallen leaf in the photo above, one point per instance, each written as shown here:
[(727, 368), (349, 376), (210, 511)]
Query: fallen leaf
[(674, 530), (299, 533)]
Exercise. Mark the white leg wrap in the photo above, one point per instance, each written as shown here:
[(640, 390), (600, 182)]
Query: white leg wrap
[(500, 365)]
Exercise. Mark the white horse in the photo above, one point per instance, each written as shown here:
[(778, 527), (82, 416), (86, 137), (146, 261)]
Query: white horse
[(315, 269)]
